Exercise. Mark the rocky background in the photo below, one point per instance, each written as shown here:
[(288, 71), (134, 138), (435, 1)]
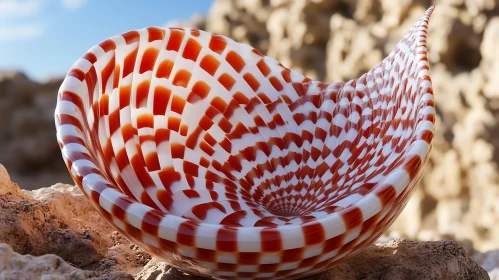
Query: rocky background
[(28, 146), (335, 40)]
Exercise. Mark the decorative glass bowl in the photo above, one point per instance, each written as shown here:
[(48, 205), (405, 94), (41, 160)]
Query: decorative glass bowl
[(225, 163)]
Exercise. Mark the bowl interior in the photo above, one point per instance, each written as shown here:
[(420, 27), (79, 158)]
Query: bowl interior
[(199, 126)]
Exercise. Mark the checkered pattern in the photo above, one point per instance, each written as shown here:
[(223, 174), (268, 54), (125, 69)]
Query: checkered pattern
[(225, 163)]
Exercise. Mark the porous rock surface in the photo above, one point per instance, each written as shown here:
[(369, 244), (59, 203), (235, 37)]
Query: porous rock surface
[(70, 240), (58, 220)]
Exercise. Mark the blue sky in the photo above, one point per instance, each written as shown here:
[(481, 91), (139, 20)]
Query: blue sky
[(44, 38)]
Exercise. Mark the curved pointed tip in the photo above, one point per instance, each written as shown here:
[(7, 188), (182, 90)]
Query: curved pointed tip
[(421, 45), (422, 24), (428, 13)]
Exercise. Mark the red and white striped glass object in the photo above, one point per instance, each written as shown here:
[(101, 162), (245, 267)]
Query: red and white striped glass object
[(225, 163)]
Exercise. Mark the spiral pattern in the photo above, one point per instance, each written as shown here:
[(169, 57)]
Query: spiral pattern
[(225, 163)]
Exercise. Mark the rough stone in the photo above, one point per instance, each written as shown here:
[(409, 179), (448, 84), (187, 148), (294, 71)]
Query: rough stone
[(59, 220), (490, 262), (7, 186), (14, 266), (397, 259), (72, 241)]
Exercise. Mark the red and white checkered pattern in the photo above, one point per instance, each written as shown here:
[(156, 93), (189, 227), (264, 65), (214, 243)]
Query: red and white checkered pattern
[(225, 163)]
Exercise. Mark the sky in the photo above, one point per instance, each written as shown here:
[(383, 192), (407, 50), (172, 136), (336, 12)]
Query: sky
[(43, 38)]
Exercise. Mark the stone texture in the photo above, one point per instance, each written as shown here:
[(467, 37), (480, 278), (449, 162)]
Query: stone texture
[(6, 185), (401, 259), (490, 262), (59, 220), (397, 259), (14, 266), (72, 241)]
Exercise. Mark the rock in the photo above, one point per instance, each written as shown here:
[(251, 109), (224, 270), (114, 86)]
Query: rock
[(490, 63), (159, 270), (14, 266), (490, 262), (7, 186), (57, 223), (71, 241), (353, 47), (29, 148), (402, 259), (397, 259), (448, 177), (494, 274), (59, 220)]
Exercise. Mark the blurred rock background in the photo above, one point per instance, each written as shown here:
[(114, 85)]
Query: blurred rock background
[(335, 40), (28, 146)]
